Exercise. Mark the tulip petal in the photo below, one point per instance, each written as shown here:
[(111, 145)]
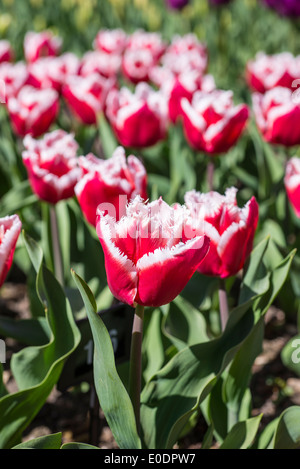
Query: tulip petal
[(175, 266)]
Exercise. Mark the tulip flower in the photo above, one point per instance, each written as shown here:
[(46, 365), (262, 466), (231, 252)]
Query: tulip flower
[(113, 182), (177, 4), (231, 230), (142, 53), (6, 52), (53, 72), (33, 111), (184, 86), (285, 7), (269, 71), (42, 44), (86, 96), (148, 258), (140, 118), (277, 115), (102, 63), (12, 77), (10, 228), (292, 183), (52, 165), (212, 123), (111, 41)]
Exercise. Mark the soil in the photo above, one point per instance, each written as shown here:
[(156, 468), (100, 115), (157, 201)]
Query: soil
[(76, 415)]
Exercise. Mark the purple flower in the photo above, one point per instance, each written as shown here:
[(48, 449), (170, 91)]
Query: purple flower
[(219, 2), (177, 4), (285, 7)]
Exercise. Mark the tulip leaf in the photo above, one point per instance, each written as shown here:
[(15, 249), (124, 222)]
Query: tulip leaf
[(76, 445), (242, 434), (26, 331), (287, 434), (43, 442), (108, 140), (290, 355), (37, 369), (113, 397)]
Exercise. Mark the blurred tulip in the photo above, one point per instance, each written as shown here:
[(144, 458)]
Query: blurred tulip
[(42, 44), (10, 229), (53, 72), (231, 230), (269, 71), (106, 65), (86, 96), (6, 52), (52, 165), (138, 119), (285, 7), (177, 4), (277, 115), (147, 262), (212, 123), (292, 183), (33, 111), (13, 77), (111, 41), (113, 182)]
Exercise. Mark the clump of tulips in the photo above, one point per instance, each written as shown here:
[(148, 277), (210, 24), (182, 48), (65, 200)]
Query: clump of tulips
[(145, 88)]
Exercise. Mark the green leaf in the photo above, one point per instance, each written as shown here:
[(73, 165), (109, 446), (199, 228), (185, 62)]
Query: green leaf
[(184, 324), (76, 445), (108, 140), (290, 355), (25, 331), (287, 434), (43, 442), (113, 397), (37, 369), (242, 434)]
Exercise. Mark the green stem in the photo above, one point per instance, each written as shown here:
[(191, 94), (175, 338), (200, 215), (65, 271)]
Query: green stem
[(57, 257), (223, 303), (135, 373), (210, 174)]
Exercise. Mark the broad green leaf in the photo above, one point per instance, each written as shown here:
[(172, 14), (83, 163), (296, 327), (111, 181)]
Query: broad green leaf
[(290, 355), (184, 324), (113, 397), (42, 442), (37, 369), (25, 331), (108, 140), (242, 434), (153, 344), (287, 434), (76, 445)]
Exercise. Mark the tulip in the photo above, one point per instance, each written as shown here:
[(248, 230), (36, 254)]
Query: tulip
[(102, 63), (140, 118), (212, 123), (10, 228), (285, 7), (231, 230), (148, 258), (42, 44), (177, 4), (111, 41), (277, 115), (33, 111), (269, 71), (184, 86), (113, 182), (292, 183), (52, 165), (12, 77), (6, 52), (86, 96), (53, 72)]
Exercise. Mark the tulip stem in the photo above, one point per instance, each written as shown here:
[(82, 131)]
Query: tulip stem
[(210, 174), (223, 304), (57, 257), (135, 373)]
